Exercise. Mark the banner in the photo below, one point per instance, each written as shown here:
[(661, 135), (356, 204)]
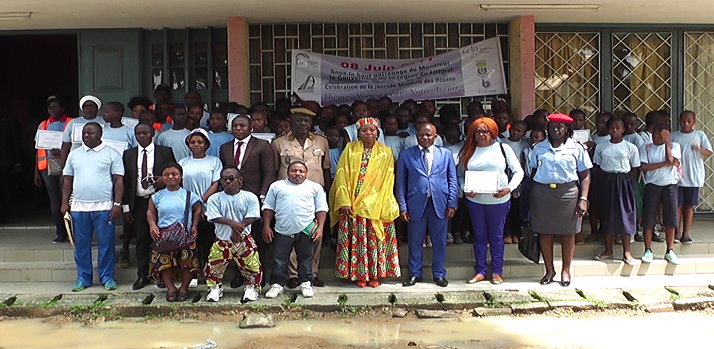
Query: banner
[(474, 70)]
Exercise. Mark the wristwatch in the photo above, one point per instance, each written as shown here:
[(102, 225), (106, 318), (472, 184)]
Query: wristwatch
[(117, 204)]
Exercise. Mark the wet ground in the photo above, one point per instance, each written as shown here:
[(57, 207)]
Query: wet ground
[(577, 330)]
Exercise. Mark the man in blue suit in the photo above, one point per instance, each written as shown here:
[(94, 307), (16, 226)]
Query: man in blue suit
[(426, 190)]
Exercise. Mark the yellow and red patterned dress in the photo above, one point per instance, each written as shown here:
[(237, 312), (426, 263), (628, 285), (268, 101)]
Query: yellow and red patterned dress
[(366, 243)]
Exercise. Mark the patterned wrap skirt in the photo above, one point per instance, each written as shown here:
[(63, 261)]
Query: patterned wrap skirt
[(361, 256), (183, 258)]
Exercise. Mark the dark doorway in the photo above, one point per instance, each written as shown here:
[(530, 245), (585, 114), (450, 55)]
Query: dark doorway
[(32, 67)]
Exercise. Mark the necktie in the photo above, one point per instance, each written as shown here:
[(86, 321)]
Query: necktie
[(144, 171), (425, 151), (236, 161)]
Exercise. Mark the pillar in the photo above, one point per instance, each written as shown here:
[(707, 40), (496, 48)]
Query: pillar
[(238, 61), (521, 44)]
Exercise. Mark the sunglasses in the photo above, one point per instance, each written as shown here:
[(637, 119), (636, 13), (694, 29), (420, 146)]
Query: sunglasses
[(229, 178)]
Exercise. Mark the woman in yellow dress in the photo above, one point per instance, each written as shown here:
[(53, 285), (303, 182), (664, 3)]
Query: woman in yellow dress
[(363, 204)]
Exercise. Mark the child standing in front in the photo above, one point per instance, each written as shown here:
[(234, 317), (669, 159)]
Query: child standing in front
[(660, 160), (601, 136), (233, 211), (515, 140), (299, 206), (695, 149), (618, 161)]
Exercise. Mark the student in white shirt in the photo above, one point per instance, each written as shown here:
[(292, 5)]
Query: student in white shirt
[(695, 149), (660, 161)]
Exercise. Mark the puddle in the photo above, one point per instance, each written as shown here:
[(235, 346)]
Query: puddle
[(502, 332)]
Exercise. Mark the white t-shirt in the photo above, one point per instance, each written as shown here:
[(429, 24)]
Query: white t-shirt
[(294, 205), (236, 207), (516, 146), (617, 157), (692, 160), (651, 154)]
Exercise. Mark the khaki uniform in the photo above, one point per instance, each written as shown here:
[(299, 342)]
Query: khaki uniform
[(315, 154)]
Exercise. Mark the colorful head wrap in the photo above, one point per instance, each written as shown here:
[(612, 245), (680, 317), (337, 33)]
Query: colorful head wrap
[(367, 121)]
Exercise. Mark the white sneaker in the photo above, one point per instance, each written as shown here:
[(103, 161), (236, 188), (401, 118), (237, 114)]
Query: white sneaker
[(274, 291), (671, 258), (251, 293), (193, 283), (214, 294), (306, 289), (648, 257)]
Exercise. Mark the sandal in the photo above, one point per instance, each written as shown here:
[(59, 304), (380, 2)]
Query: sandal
[(603, 256), (361, 283), (182, 296), (171, 296), (373, 283)]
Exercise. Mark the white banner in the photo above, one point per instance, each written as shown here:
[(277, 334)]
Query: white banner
[(474, 70)]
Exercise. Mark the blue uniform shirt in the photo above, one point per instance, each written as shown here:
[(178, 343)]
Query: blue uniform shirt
[(217, 140), (176, 140), (92, 169), (559, 165), (170, 206)]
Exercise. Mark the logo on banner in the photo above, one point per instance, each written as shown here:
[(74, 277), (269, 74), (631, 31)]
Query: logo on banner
[(302, 60), (485, 83), (481, 69)]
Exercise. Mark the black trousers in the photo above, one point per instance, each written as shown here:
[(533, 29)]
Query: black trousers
[(143, 237)]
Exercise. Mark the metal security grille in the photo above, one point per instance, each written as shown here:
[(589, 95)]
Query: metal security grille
[(568, 72), (641, 72), (271, 47), (699, 97)]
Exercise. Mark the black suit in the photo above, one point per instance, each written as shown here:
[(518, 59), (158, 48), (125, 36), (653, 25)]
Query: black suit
[(138, 205), (258, 167)]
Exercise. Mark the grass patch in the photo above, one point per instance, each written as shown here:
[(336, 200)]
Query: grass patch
[(491, 301), (392, 299), (160, 316), (94, 311), (536, 296), (598, 303), (258, 307), (345, 309), (673, 294)]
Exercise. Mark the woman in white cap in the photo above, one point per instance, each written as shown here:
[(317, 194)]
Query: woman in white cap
[(90, 106), (201, 174)]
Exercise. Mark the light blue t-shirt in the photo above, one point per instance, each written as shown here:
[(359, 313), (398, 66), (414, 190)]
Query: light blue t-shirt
[(692, 160), (124, 134), (617, 157), (294, 205), (652, 154), (92, 169), (68, 135), (199, 174), (635, 139), (491, 159), (600, 139), (176, 140), (217, 140), (559, 165), (335, 154), (516, 146), (395, 143), (236, 207), (170, 206)]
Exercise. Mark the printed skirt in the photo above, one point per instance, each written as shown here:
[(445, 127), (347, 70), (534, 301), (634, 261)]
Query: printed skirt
[(361, 256)]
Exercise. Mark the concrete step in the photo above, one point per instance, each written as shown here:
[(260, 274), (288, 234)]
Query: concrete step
[(454, 253), (513, 268)]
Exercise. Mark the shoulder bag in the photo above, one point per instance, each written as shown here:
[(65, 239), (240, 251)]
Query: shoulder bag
[(176, 235)]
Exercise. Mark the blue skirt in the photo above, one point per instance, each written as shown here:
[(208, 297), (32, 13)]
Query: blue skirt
[(618, 215)]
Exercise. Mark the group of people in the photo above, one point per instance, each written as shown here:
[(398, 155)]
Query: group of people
[(244, 184)]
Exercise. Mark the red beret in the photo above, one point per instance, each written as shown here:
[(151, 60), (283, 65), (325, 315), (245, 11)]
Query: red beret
[(558, 117)]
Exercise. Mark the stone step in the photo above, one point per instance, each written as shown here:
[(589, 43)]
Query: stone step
[(513, 268), (454, 253)]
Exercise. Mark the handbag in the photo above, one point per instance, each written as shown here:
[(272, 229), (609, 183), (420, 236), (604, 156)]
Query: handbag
[(528, 244), (54, 168), (176, 235)]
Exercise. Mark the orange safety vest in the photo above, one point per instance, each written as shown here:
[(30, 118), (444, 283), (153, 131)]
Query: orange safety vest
[(42, 153)]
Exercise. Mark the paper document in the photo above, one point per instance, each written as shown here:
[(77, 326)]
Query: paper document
[(120, 147), (48, 139), (264, 136), (70, 227), (482, 182), (582, 136)]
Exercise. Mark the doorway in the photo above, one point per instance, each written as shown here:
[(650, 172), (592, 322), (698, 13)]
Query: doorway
[(32, 68)]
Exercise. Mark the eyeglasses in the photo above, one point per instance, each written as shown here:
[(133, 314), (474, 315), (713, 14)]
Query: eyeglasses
[(481, 132), (229, 178)]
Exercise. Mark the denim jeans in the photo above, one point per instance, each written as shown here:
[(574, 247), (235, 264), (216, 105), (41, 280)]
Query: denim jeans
[(282, 245), (85, 224)]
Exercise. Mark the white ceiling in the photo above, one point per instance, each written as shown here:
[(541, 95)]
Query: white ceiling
[(70, 14)]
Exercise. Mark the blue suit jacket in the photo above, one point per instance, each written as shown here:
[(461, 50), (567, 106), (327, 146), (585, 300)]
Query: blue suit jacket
[(413, 182)]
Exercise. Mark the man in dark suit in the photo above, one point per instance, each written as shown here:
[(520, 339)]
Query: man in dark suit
[(142, 167), (255, 159), (427, 193)]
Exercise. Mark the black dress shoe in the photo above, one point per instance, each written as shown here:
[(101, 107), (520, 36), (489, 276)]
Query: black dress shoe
[(160, 284), (547, 279), (293, 283), (317, 282), (140, 283), (411, 281), (565, 283), (441, 282)]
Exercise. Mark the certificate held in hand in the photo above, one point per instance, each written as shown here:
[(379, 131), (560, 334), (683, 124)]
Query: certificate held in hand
[(481, 182)]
